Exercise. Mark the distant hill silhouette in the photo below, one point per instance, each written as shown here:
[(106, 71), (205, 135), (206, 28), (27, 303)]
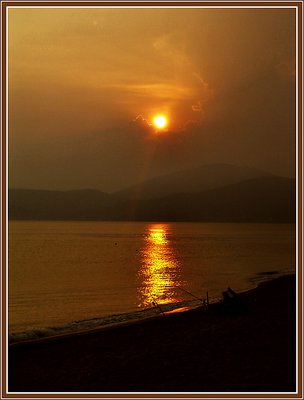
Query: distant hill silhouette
[(199, 179), (49, 204), (266, 199), (269, 199)]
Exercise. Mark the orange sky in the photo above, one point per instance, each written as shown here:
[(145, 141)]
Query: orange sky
[(84, 84)]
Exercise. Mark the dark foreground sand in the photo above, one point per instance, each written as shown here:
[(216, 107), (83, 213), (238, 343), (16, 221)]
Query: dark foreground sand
[(193, 351)]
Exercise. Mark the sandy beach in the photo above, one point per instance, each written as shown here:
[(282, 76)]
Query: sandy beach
[(222, 349)]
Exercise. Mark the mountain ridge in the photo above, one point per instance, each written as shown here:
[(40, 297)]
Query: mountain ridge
[(266, 199), (204, 177)]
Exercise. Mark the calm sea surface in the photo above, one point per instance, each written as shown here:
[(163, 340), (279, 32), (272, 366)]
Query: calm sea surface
[(65, 276)]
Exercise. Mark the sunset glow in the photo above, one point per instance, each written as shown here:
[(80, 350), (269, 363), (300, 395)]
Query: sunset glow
[(151, 165), (160, 121), (130, 77)]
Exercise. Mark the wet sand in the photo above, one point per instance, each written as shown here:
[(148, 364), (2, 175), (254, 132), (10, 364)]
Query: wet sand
[(220, 350)]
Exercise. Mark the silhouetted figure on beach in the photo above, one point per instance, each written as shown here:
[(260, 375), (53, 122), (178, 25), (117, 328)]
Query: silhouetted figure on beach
[(232, 303)]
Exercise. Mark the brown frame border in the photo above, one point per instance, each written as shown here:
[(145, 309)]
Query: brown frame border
[(3, 203), (4, 206)]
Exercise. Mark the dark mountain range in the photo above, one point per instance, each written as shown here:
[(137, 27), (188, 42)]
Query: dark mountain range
[(200, 179), (267, 199), (49, 204)]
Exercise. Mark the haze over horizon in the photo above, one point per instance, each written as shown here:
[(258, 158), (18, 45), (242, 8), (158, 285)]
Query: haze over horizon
[(86, 84)]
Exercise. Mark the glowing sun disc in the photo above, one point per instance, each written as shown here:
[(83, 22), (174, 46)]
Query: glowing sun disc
[(160, 121)]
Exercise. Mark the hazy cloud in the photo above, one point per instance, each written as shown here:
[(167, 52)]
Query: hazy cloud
[(85, 84)]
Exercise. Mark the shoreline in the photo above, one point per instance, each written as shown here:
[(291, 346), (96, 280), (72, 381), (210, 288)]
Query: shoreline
[(14, 341), (154, 314), (194, 350)]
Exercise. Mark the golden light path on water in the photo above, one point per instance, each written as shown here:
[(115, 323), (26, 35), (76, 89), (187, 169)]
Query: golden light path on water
[(159, 272)]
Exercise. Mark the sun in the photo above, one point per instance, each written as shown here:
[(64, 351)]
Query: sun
[(160, 121)]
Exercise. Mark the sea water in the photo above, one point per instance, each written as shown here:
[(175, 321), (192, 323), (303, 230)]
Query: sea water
[(70, 276)]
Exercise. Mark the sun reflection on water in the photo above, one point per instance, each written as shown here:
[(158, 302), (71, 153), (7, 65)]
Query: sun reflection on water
[(159, 273)]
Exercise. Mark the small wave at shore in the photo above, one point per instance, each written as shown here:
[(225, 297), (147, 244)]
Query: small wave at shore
[(36, 333), (85, 325)]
